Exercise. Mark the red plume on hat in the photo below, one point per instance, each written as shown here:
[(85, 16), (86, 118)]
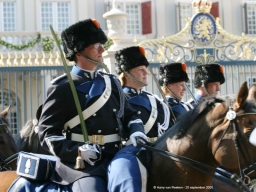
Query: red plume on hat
[(96, 23)]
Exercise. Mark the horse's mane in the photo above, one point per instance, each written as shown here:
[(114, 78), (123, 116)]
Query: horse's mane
[(26, 130), (186, 120), (27, 140), (26, 136)]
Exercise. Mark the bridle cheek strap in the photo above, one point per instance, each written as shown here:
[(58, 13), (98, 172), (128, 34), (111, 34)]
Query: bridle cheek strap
[(231, 115)]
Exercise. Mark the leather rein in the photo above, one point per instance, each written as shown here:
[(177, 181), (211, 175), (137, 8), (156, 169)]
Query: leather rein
[(200, 166)]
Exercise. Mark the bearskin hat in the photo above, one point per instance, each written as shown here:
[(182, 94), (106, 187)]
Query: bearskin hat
[(173, 73), (208, 73), (130, 58), (80, 35)]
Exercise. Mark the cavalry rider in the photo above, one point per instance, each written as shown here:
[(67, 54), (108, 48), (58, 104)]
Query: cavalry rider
[(173, 78), (106, 112), (125, 172), (207, 81)]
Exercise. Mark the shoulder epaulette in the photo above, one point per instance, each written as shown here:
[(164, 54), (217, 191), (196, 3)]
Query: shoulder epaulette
[(59, 78)]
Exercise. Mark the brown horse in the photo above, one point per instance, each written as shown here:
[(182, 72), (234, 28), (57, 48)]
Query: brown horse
[(8, 146), (199, 136), (7, 149), (205, 135)]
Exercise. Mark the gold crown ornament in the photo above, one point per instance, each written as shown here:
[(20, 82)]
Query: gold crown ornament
[(202, 6)]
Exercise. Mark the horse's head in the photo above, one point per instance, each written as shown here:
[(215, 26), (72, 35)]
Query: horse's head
[(234, 123), (7, 144), (208, 134)]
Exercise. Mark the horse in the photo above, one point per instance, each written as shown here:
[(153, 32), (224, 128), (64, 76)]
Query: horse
[(202, 138), (7, 152), (27, 140), (8, 146)]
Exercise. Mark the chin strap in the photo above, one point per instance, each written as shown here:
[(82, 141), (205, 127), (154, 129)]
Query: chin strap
[(103, 65), (135, 79), (172, 93), (204, 88)]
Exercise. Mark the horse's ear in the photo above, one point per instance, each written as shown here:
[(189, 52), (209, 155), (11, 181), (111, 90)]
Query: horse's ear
[(4, 113), (241, 96), (252, 93)]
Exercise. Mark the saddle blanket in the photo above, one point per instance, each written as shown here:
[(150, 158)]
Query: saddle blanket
[(35, 166)]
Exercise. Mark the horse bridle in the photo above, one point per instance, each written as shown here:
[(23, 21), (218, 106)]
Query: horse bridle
[(4, 163), (189, 162), (231, 115)]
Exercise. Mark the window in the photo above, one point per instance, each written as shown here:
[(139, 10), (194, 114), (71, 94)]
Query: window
[(185, 11), (250, 18), (138, 20), (133, 19), (56, 14), (251, 81), (8, 15)]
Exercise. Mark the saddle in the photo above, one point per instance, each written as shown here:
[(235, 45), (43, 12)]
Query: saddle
[(34, 171)]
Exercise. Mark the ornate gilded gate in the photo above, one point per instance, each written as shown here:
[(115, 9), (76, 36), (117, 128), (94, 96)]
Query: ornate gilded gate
[(204, 41)]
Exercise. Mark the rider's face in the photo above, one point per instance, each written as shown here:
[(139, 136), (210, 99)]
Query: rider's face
[(141, 74), (213, 88), (178, 89)]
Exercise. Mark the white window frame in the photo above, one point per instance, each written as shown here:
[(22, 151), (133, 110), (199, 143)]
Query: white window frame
[(2, 16), (250, 3), (251, 80), (182, 22), (55, 18)]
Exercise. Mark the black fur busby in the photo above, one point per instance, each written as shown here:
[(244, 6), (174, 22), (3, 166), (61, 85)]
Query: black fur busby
[(208, 73), (130, 58), (80, 35), (173, 73)]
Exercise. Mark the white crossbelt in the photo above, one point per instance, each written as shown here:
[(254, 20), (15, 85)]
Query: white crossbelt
[(152, 117), (106, 138), (153, 114), (88, 112)]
